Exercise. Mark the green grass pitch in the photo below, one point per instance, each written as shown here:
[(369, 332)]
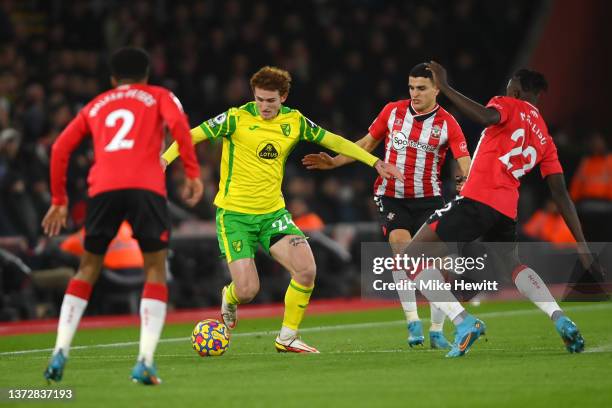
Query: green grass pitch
[(364, 361)]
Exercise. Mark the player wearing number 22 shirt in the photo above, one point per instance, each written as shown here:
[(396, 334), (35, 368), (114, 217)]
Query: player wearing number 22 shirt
[(515, 140), (506, 151)]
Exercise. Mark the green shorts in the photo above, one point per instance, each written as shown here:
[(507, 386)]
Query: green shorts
[(239, 233)]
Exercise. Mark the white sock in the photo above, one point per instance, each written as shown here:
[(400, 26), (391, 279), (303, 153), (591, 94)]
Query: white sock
[(152, 317), (407, 297), (442, 299), (533, 287), (70, 316), (287, 333), (437, 318)]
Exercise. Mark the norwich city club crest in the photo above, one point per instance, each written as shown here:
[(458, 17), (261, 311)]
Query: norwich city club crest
[(286, 128), (237, 245)]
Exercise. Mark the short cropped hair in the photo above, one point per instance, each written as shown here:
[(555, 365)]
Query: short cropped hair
[(531, 81), (272, 79), (130, 63), (420, 70)]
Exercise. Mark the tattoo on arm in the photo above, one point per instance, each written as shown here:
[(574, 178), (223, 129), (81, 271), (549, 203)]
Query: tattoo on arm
[(297, 241)]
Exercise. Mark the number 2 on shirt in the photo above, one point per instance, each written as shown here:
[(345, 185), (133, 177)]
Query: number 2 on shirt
[(119, 142), (529, 152)]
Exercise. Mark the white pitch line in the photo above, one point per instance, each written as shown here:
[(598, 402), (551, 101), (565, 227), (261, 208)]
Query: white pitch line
[(604, 348), (352, 326)]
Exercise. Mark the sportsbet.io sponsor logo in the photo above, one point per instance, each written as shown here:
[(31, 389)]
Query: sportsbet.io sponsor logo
[(268, 151), (400, 142)]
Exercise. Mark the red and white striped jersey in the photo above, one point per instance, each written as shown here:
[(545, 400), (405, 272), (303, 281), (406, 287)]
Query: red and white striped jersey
[(416, 143)]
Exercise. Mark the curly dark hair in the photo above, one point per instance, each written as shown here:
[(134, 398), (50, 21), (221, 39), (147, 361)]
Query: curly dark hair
[(272, 79)]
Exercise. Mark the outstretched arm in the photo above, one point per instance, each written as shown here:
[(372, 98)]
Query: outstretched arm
[(473, 110), (345, 147), (566, 207), (323, 161), (172, 152)]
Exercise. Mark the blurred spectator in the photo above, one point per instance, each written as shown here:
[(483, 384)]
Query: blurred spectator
[(593, 180), (591, 189), (303, 217), (547, 224), (18, 211)]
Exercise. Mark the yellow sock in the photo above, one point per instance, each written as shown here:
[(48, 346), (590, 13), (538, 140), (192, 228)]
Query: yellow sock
[(296, 300), (230, 295)]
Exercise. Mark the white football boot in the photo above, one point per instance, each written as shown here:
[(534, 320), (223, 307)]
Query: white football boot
[(229, 313)]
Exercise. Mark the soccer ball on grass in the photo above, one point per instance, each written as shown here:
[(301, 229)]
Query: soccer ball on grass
[(210, 338)]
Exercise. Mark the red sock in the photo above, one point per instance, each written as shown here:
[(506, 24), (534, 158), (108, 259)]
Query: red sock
[(79, 288)]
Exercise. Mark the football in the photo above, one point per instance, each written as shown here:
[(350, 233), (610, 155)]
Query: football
[(210, 337)]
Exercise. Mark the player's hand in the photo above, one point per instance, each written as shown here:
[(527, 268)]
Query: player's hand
[(387, 170), (192, 191), (439, 74), (163, 163), (55, 219), (459, 183), (321, 161)]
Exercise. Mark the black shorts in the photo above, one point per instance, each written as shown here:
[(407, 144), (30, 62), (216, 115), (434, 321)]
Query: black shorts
[(146, 211), (465, 220), (405, 213)]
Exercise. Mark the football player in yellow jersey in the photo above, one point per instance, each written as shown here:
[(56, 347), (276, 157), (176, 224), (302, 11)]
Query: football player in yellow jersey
[(257, 139)]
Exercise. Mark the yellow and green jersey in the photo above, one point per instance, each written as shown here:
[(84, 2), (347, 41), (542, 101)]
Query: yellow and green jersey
[(255, 151)]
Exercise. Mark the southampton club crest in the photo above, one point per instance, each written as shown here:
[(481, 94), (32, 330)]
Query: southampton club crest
[(436, 131), (237, 245)]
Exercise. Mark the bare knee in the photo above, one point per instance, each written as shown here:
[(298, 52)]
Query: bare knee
[(399, 239), (245, 292), (305, 273)]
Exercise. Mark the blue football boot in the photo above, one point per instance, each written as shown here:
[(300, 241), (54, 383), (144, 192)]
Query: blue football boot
[(574, 343), (467, 332), (55, 369), (438, 341), (143, 374), (415, 333)]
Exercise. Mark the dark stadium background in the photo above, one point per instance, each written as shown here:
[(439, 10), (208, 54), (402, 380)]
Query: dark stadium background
[(347, 59)]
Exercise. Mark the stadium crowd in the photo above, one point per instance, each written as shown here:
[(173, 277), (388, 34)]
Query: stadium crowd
[(347, 58)]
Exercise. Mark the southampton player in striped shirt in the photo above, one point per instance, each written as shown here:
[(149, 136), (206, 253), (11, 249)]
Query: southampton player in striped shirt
[(257, 139), (417, 134)]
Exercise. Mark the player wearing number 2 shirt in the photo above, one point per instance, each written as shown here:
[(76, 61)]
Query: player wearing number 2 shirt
[(126, 182), (514, 141)]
